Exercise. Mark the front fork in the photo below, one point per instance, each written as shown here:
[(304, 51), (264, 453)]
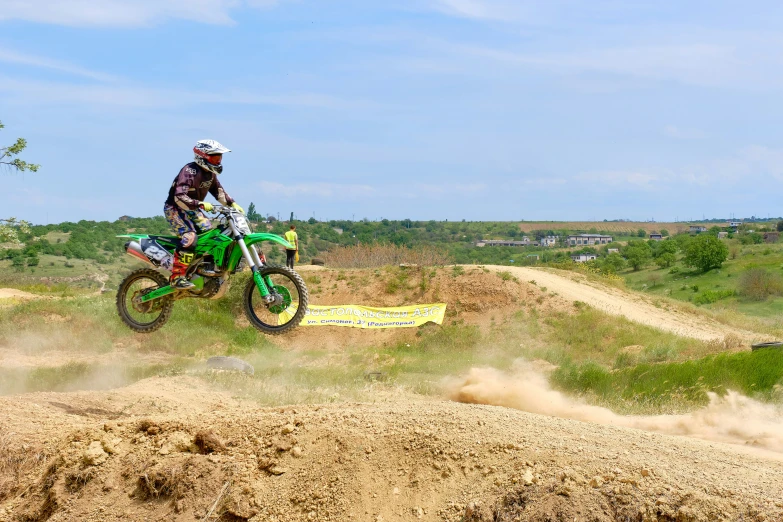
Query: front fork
[(263, 283)]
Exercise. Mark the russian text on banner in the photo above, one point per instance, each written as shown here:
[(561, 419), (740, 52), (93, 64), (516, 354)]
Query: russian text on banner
[(357, 316)]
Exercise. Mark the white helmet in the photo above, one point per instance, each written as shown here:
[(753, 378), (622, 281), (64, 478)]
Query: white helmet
[(209, 155)]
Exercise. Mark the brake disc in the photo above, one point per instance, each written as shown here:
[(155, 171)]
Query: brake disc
[(282, 300)]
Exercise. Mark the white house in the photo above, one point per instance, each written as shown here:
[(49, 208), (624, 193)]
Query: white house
[(697, 228), (588, 239), (583, 258), (502, 242), (549, 241)]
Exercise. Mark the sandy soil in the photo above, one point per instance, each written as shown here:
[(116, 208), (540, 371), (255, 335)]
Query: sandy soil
[(173, 449), (495, 447), (635, 306), (11, 293)]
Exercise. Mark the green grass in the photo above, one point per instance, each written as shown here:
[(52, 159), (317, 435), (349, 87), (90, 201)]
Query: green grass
[(676, 385), (680, 284), (591, 348)]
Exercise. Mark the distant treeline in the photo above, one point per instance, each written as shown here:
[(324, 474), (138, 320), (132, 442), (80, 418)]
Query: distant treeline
[(96, 240)]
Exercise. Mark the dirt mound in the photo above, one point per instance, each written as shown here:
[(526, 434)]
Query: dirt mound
[(475, 295), (637, 307), (174, 449)]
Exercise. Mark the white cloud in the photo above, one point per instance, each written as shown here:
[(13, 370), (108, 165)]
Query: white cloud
[(683, 134), (439, 191), (747, 167), (472, 8), (41, 93), (696, 64), (318, 189), (9, 56), (618, 178), (123, 13)]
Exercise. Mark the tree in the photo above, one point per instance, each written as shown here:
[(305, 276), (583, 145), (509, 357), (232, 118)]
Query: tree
[(780, 226), (641, 233), (665, 260), (638, 253), (10, 228), (8, 153), (291, 219), (252, 214), (705, 252), (664, 232), (612, 263)]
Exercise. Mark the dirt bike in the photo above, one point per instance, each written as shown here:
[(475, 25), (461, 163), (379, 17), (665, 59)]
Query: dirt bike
[(274, 299)]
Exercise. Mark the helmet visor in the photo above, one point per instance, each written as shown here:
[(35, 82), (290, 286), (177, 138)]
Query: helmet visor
[(215, 159)]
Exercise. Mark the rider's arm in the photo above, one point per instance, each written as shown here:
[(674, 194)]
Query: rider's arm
[(183, 183), (221, 195)]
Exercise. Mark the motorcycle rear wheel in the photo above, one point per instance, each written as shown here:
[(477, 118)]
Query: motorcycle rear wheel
[(278, 318), (143, 317)]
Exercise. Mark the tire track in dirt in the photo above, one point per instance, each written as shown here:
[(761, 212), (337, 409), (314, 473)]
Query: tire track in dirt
[(631, 305)]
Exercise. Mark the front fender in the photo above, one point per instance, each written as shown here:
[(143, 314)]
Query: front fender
[(252, 239)]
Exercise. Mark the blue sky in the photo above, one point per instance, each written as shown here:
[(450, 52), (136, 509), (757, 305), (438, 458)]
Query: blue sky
[(422, 109)]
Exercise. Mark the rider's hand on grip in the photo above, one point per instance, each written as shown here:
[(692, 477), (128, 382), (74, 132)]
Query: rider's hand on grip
[(236, 207), (206, 206)]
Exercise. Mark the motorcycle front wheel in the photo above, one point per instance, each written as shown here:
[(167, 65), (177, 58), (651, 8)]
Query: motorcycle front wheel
[(143, 317), (289, 307)]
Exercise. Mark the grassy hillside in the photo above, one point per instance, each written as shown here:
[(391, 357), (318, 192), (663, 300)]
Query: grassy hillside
[(688, 284)]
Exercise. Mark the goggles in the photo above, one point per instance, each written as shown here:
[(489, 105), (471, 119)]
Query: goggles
[(214, 159)]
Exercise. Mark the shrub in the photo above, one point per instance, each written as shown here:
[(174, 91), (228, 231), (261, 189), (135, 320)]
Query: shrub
[(373, 255), (712, 296), (757, 284)]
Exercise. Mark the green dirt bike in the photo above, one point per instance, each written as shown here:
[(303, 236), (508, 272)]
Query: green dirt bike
[(275, 298)]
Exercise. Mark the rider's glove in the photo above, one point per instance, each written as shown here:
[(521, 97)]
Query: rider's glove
[(206, 206), (236, 207)]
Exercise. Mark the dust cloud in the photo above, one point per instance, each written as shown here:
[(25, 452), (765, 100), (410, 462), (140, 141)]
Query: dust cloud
[(734, 418)]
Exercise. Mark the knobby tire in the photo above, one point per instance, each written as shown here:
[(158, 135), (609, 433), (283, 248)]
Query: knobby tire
[(251, 292), (167, 303)]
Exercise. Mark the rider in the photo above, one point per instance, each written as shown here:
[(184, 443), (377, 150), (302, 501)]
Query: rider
[(186, 199)]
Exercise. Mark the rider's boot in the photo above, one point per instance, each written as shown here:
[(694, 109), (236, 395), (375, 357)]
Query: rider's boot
[(178, 269)]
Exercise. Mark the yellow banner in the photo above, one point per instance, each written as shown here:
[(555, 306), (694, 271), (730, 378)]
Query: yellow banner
[(356, 316)]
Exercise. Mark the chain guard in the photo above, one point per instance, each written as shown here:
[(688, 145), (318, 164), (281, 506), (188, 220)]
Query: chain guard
[(148, 307)]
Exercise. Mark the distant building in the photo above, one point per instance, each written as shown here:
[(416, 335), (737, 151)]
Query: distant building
[(549, 241), (697, 228), (525, 241), (656, 237), (124, 218), (723, 235), (735, 224), (583, 258), (588, 239), (771, 237), (612, 250)]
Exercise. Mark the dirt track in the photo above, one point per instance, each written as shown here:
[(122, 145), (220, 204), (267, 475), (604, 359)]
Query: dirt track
[(632, 305), (129, 454), (174, 448)]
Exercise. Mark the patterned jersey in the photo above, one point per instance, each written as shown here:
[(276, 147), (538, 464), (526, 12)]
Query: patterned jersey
[(191, 185)]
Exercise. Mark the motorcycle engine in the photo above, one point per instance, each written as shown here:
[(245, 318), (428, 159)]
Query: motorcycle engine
[(214, 288)]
